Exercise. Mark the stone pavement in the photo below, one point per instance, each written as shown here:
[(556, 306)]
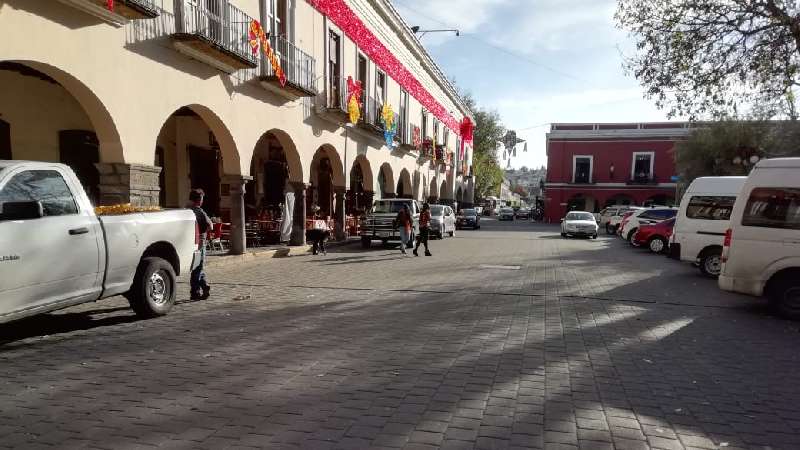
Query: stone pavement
[(508, 337)]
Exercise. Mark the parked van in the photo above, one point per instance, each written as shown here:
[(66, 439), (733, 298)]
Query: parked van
[(761, 250), (703, 218)]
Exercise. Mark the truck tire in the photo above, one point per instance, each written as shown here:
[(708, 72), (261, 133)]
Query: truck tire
[(711, 262), (366, 242), (783, 292), (152, 293)]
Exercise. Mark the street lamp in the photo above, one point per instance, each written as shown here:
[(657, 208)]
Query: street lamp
[(416, 30)]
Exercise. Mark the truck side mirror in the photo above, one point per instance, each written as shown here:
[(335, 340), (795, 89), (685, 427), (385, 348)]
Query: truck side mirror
[(22, 210)]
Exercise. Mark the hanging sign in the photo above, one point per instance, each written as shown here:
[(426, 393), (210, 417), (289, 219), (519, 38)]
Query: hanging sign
[(354, 90), (258, 38)]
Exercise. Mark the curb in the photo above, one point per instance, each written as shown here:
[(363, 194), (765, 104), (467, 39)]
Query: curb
[(280, 252)]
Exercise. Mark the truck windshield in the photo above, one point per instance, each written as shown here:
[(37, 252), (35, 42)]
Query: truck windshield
[(386, 207)]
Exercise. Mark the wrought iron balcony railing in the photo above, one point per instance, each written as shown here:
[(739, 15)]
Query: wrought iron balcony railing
[(215, 32), (298, 66)]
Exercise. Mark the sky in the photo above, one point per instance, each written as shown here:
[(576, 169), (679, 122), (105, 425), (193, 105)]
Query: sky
[(535, 62)]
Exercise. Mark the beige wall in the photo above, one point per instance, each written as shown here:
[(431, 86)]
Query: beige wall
[(129, 80), (37, 110)]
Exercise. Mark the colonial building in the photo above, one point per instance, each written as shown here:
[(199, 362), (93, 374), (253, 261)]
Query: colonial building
[(590, 166), (246, 99)]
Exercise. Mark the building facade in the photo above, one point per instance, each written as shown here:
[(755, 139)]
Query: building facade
[(591, 166), (529, 179), (147, 99)]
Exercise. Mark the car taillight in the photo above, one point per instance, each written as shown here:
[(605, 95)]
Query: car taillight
[(726, 244), (196, 234)]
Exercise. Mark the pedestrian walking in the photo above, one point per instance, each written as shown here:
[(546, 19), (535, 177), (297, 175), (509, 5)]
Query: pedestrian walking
[(404, 222), (318, 233), (200, 290), (424, 229)]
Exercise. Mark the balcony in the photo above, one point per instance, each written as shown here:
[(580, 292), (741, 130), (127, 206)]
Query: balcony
[(332, 105), (214, 32), (122, 11), (372, 117), (298, 66), (643, 180)]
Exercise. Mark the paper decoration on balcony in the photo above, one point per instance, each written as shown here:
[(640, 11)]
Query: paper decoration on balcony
[(351, 25), (467, 133), (354, 91), (389, 125), (110, 5), (416, 138), (258, 38)]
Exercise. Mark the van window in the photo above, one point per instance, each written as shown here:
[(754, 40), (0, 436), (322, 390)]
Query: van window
[(773, 208), (710, 208), (658, 214)]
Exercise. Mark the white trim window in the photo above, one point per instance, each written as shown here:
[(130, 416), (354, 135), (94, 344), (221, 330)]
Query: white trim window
[(642, 164), (334, 69), (582, 168)]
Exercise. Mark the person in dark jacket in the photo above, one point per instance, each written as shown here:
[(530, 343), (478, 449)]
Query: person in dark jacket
[(424, 229), (200, 290)]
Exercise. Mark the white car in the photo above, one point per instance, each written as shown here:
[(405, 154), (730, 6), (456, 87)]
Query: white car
[(702, 219), (55, 252), (579, 223), (443, 221), (611, 216), (761, 251), (648, 216)]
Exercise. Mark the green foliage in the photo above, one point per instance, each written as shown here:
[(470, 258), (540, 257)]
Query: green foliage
[(488, 131), (711, 148), (713, 58)]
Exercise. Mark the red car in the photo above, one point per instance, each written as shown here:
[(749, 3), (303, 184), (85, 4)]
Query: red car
[(655, 237)]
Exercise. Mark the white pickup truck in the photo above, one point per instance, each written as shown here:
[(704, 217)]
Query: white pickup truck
[(55, 252)]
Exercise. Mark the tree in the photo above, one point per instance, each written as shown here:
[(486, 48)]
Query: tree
[(715, 57), (488, 131), (711, 149), (519, 189)]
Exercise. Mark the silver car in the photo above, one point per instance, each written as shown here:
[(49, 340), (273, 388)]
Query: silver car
[(443, 221)]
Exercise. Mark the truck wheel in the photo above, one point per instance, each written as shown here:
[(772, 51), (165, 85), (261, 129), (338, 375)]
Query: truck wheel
[(711, 262), (366, 242), (152, 293), (385, 242), (784, 295), (631, 234)]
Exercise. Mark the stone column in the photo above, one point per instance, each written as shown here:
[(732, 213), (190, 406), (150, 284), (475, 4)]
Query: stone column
[(299, 220), (237, 189), (340, 214), (136, 184)]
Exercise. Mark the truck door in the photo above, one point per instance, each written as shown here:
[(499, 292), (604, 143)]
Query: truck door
[(51, 259)]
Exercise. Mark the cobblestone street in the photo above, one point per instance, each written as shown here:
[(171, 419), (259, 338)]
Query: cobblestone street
[(508, 337)]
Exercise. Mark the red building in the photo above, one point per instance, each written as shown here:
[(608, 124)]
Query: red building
[(591, 166)]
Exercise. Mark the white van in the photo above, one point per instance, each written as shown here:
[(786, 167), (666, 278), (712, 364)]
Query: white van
[(702, 220), (761, 252)]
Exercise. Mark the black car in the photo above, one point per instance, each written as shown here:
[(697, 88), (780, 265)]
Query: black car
[(468, 218)]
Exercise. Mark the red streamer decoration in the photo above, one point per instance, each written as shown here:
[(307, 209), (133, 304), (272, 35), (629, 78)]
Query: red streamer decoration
[(354, 28), (259, 39), (110, 5), (467, 133)]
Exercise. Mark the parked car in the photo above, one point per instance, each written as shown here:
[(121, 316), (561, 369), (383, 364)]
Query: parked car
[(56, 252), (761, 249), (655, 237), (611, 216), (702, 219), (378, 223), (646, 216), (443, 221), (469, 218), (523, 213), (505, 214), (579, 223), (624, 221)]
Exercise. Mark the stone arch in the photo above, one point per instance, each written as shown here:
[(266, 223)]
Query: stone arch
[(327, 150), (275, 162), (366, 171), (196, 130), (404, 189), (326, 177), (433, 190), (443, 191), (583, 202), (386, 183), (360, 190), (108, 136)]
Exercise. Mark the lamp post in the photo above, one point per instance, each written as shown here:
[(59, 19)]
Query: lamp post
[(416, 30)]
